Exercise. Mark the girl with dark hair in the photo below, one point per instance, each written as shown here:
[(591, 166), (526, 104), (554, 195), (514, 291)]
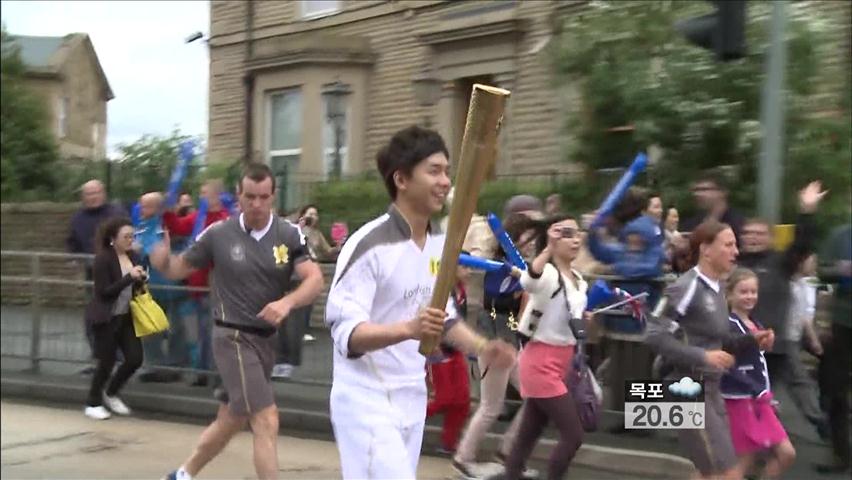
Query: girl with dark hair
[(116, 273)]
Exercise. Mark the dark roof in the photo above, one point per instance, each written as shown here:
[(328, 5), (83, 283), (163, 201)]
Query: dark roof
[(46, 55), (38, 51)]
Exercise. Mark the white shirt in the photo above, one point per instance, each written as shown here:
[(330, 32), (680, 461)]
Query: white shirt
[(802, 308), (382, 277), (546, 318), (257, 234)]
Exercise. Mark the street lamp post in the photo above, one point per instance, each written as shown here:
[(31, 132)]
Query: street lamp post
[(335, 95), (427, 91)]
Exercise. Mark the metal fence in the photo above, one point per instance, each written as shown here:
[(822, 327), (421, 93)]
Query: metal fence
[(44, 299)]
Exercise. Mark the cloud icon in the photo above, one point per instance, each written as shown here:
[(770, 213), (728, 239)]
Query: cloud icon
[(686, 387)]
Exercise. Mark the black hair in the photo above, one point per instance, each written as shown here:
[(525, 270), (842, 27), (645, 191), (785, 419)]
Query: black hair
[(714, 178), (406, 149), (634, 202), (667, 211), (108, 231), (305, 209), (256, 172), (542, 226)]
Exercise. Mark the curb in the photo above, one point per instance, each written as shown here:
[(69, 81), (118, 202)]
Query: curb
[(619, 460)]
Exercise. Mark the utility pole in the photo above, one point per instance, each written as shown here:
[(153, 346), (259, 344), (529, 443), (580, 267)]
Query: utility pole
[(771, 163)]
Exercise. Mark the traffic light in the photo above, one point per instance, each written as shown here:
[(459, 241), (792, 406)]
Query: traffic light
[(722, 31)]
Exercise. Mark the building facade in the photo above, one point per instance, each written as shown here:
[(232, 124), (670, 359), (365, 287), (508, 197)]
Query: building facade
[(270, 62), (66, 73)]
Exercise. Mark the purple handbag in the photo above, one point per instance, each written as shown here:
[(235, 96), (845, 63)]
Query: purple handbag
[(585, 391)]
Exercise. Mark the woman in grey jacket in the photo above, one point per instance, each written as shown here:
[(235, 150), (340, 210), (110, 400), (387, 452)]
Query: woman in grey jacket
[(689, 328)]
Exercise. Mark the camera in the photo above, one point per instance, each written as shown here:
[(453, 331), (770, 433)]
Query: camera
[(567, 232), (309, 221)]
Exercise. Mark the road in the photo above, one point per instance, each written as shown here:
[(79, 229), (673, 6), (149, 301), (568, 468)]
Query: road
[(48, 441)]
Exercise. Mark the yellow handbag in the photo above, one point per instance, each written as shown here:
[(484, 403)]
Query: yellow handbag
[(148, 316)]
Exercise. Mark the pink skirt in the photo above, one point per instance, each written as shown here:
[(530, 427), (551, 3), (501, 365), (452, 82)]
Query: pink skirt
[(543, 368), (754, 424)]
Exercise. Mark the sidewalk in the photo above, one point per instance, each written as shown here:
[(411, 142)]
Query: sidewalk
[(304, 410), (304, 403)]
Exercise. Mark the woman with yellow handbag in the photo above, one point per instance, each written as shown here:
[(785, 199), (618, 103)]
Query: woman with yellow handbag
[(116, 274)]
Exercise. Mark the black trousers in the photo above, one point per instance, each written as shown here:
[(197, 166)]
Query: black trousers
[(290, 334), (837, 359), (562, 412), (109, 338)]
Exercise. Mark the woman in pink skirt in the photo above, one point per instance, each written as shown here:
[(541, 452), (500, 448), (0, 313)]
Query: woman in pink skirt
[(557, 300), (755, 428)]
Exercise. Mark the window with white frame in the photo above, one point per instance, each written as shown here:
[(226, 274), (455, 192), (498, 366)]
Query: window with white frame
[(284, 127), (318, 8), (328, 141), (62, 116)]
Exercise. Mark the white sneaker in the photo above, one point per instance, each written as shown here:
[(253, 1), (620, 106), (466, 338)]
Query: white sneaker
[(477, 471), (116, 405), (308, 338), (97, 413), (282, 370)]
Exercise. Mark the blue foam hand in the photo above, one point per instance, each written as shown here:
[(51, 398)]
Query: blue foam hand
[(149, 232), (200, 218), (479, 263), (505, 242), (599, 294), (229, 203), (187, 153), (135, 214), (501, 282), (637, 167)]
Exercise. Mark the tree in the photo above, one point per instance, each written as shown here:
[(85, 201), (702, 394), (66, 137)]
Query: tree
[(28, 151), (701, 113), (146, 165)]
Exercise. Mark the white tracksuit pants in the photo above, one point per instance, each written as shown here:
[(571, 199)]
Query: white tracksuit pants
[(378, 432)]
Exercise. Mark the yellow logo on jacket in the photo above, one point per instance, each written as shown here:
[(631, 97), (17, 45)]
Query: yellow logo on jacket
[(280, 253), (434, 266)]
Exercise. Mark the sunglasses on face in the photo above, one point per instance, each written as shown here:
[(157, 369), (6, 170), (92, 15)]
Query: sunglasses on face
[(566, 232)]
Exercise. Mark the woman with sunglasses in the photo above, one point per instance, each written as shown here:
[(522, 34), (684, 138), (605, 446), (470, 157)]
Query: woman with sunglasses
[(116, 274), (554, 312)]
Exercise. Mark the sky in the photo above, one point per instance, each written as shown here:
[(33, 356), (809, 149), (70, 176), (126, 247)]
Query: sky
[(159, 81)]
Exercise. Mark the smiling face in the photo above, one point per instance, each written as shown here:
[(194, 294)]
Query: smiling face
[(655, 209), (743, 295), (426, 189), (756, 237), (566, 239), (672, 220)]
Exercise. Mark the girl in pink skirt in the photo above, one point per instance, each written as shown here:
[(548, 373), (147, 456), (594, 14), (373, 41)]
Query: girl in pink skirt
[(755, 428)]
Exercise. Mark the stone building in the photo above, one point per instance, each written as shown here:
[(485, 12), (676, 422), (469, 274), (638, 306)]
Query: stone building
[(66, 73)]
